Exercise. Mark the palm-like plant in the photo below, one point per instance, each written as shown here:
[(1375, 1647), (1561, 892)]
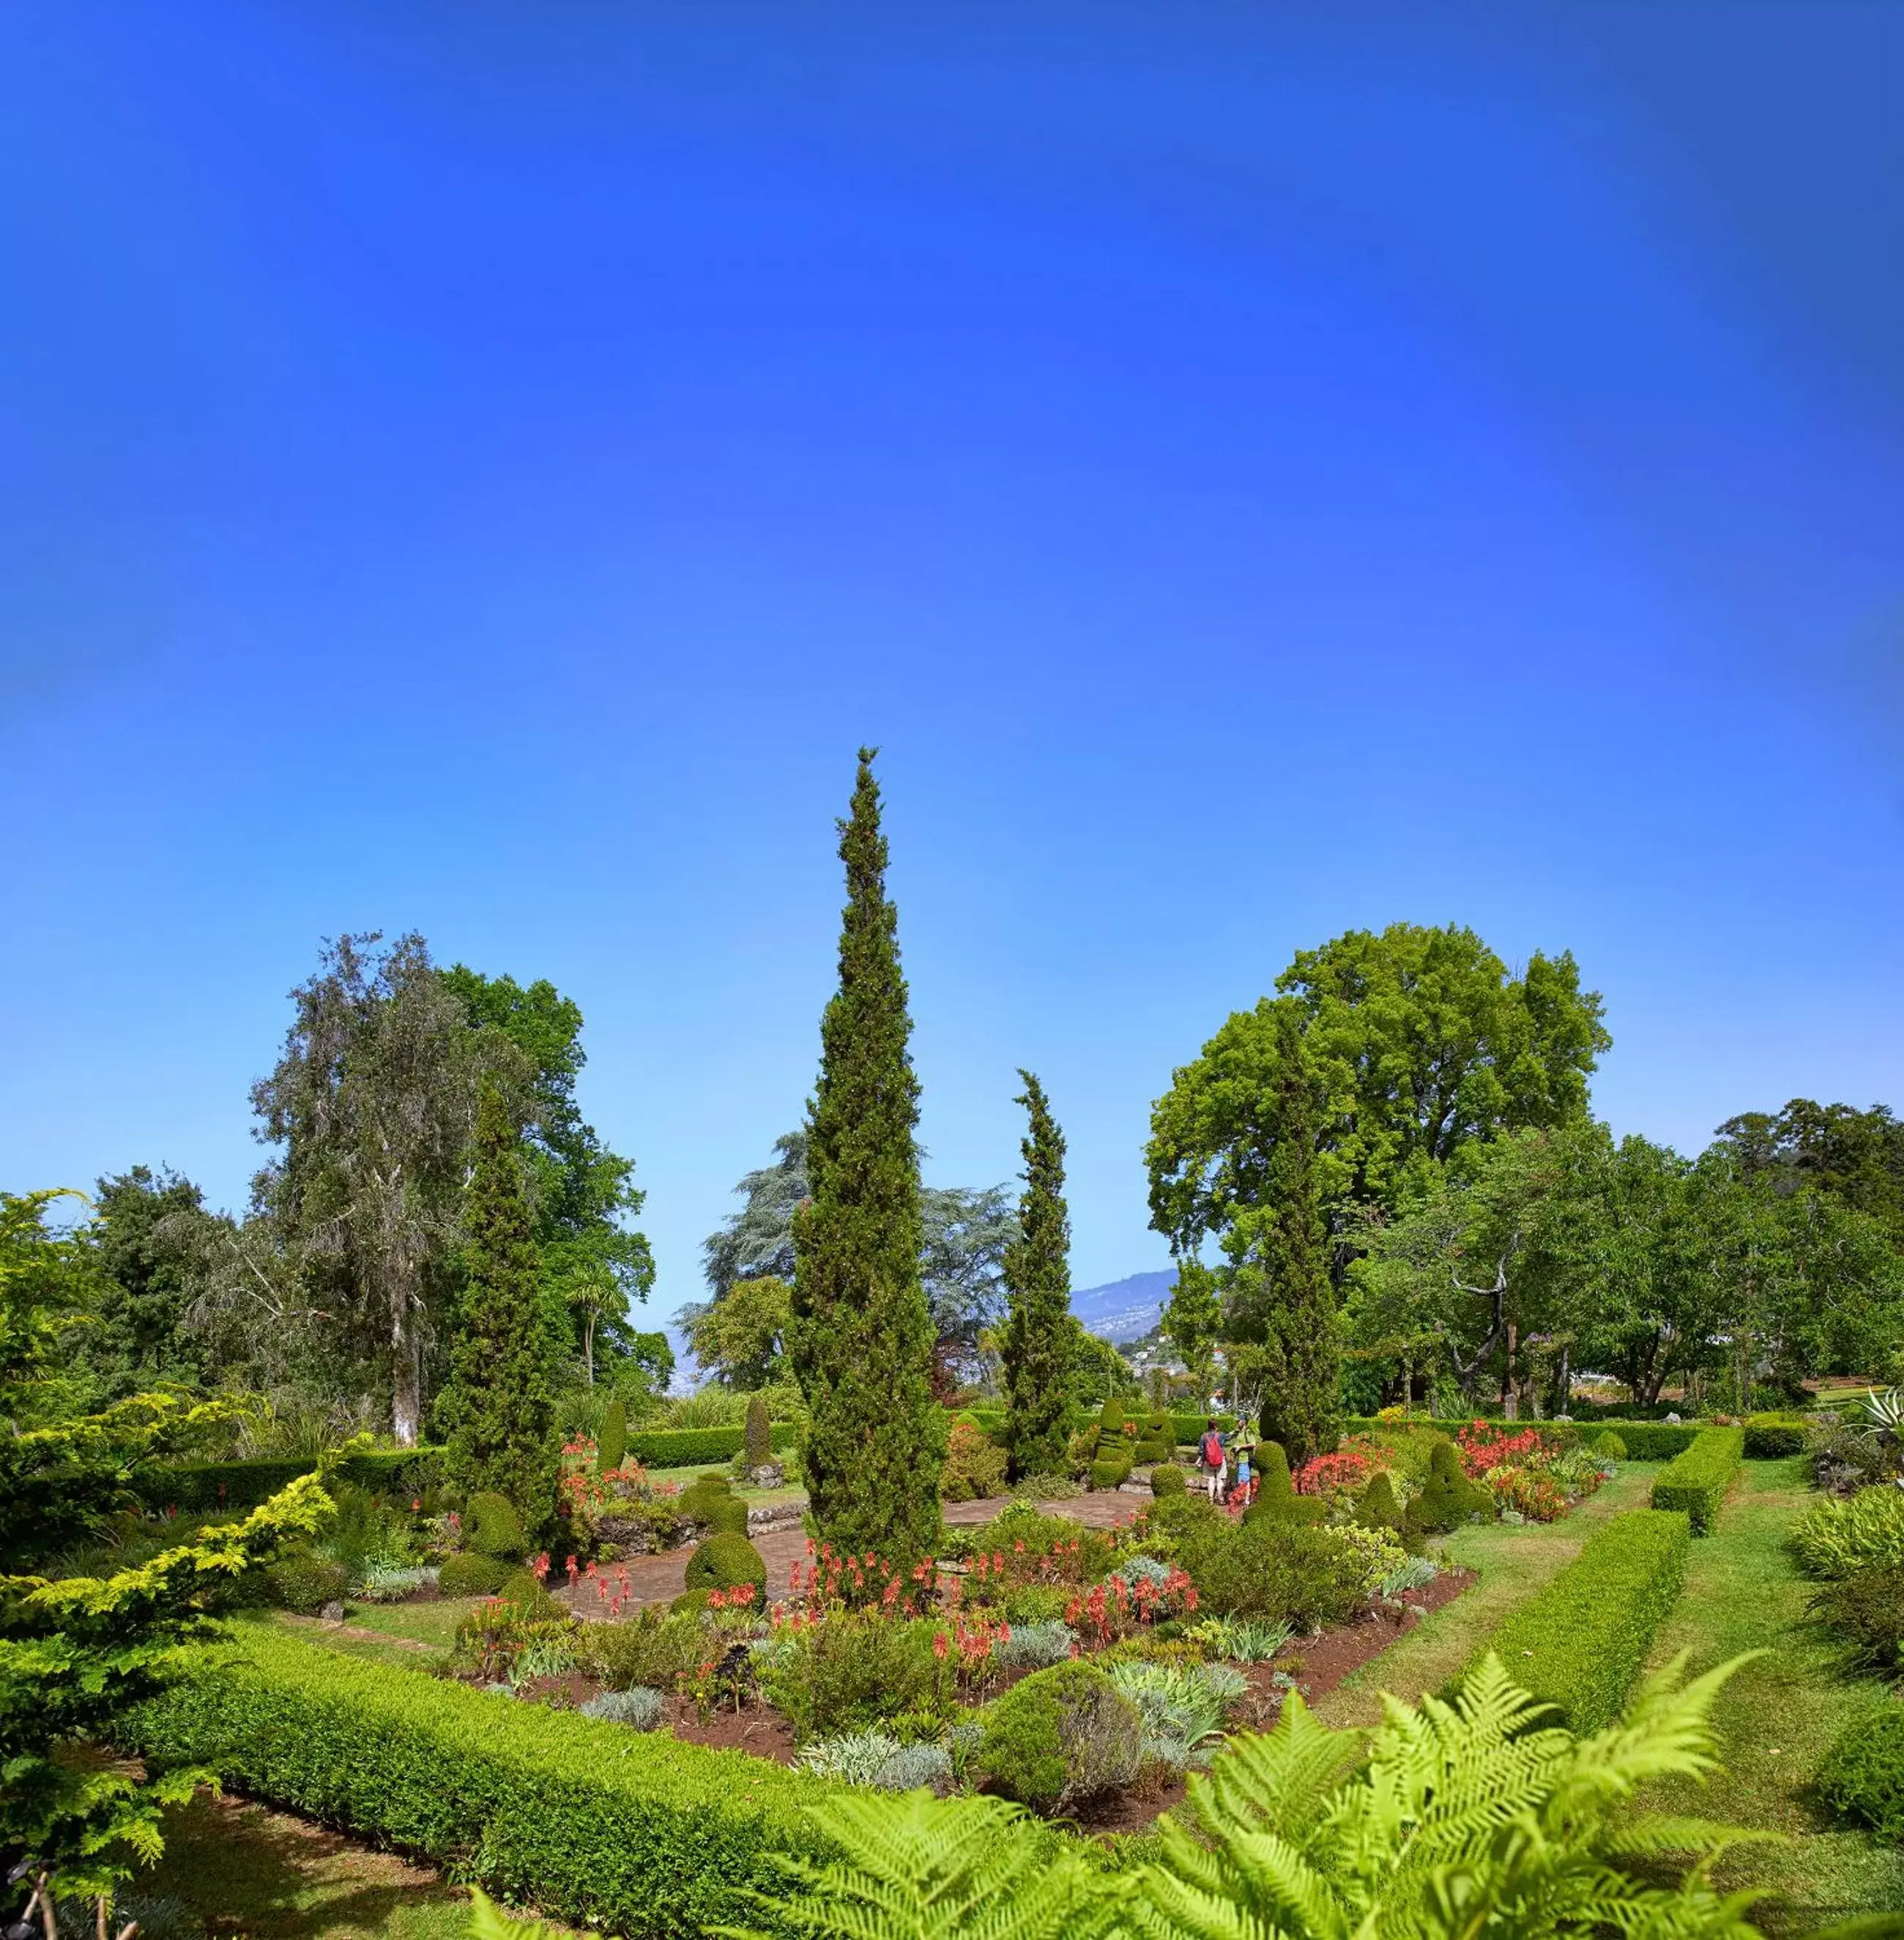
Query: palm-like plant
[(1885, 1412)]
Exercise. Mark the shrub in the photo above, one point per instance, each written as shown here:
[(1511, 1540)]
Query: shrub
[(1865, 1531), (1862, 1774), (1579, 1644), (1152, 1451), (650, 1649), (757, 1447), (492, 1527), (523, 1590), (1697, 1481), (725, 1563), (639, 1708), (1036, 1647), (683, 1447), (1272, 1467), (1110, 1474), (875, 1759), (698, 1501), (1866, 1607), (1061, 1736), (727, 1515), (305, 1583), (612, 1449), (974, 1465), (1770, 1436), (1290, 1509), (1610, 1445), (1034, 1602), (1273, 1568), (1167, 1480), (1111, 1418), (598, 1826), (1376, 1507), (1182, 1705), (856, 1670), (1378, 1551), (1448, 1498), (466, 1574)]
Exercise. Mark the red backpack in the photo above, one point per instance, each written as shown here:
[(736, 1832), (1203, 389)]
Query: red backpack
[(1212, 1449)]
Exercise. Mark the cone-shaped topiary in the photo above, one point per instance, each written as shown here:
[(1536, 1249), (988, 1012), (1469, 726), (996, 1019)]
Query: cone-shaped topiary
[(860, 1337), (612, 1449), (1377, 1507), (1272, 1467), (757, 1447), (1449, 1499), (491, 1527), (1039, 1330)]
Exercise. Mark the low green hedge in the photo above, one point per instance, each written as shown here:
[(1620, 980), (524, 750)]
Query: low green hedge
[(1646, 1441), (1579, 1644), (203, 1488), (1697, 1481), (636, 1834), (689, 1447), (1862, 1774), (1769, 1436)]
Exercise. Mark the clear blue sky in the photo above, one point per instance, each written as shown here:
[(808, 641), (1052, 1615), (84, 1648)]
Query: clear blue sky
[(1255, 471)]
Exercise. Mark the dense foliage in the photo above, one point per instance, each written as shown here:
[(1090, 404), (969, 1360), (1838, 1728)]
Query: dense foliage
[(861, 1338), (1038, 1274)]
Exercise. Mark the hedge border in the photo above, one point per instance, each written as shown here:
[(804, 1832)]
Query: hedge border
[(592, 1822), (1696, 1482), (1579, 1643)]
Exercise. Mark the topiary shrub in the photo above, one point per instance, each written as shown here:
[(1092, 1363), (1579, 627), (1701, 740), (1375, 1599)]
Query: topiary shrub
[(305, 1583), (1273, 1567), (1148, 1452), (698, 1503), (1167, 1480), (612, 1449), (1271, 1463), (1697, 1481), (1768, 1437), (1111, 1418), (1376, 1507), (466, 1574), (1291, 1508), (1449, 1499), (758, 1448), (523, 1590), (1610, 1445), (1059, 1736), (689, 1603), (725, 1562), (492, 1527), (1862, 1774), (1110, 1472)]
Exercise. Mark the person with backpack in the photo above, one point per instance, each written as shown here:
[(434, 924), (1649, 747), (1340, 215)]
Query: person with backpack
[(1241, 1443), (1215, 1457)]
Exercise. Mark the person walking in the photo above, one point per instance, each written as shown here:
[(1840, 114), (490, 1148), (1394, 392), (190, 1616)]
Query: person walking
[(1241, 1444), (1215, 1457)]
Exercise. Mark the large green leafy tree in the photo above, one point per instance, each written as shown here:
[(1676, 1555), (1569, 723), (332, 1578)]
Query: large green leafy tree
[(1281, 1298), (1422, 1043), (861, 1338), (500, 1405), (139, 1238), (596, 1264), (741, 1339), (1037, 1344), (374, 1103)]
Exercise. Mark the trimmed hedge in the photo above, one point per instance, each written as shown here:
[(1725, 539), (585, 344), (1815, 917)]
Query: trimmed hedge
[(203, 1488), (1768, 1437), (690, 1447), (1646, 1441), (1697, 1481), (1862, 1774), (595, 1824), (1579, 1644)]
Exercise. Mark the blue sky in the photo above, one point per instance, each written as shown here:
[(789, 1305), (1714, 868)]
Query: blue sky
[(1255, 472)]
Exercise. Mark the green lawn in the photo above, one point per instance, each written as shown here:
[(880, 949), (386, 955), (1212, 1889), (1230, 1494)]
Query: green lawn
[(1512, 1561), (431, 1623), (1778, 1714), (683, 1477)]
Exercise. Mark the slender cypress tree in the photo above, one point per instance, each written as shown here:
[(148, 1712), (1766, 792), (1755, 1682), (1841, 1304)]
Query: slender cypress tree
[(860, 1337), (1290, 1251), (500, 1405), (1037, 1280)]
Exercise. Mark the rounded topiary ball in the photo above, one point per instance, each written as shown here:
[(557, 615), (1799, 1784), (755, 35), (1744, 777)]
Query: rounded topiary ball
[(1610, 1445), (467, 1574), (1167, 1481), (724, 1562), (1061, 1735), (524, 1590)]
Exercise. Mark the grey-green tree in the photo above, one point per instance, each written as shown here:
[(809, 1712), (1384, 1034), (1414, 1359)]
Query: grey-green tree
[(1280, 1295), (861, 1336), (1037, 1343), (499, 1407)]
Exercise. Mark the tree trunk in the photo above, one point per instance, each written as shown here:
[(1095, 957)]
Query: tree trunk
[(1510, 1393), (406, 1387)]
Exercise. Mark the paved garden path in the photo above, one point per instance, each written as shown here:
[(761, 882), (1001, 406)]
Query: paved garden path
[(659, 1579)]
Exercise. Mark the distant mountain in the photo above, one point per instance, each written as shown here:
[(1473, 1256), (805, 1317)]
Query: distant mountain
[(1127, 1309)]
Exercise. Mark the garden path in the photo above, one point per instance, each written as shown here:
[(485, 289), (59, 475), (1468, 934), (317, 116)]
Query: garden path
[(660, 1579)]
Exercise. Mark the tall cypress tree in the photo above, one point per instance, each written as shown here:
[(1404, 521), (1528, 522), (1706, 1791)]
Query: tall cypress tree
[(1037, 1280), (1288, 1260), (500, 1405), (861, 1338)]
